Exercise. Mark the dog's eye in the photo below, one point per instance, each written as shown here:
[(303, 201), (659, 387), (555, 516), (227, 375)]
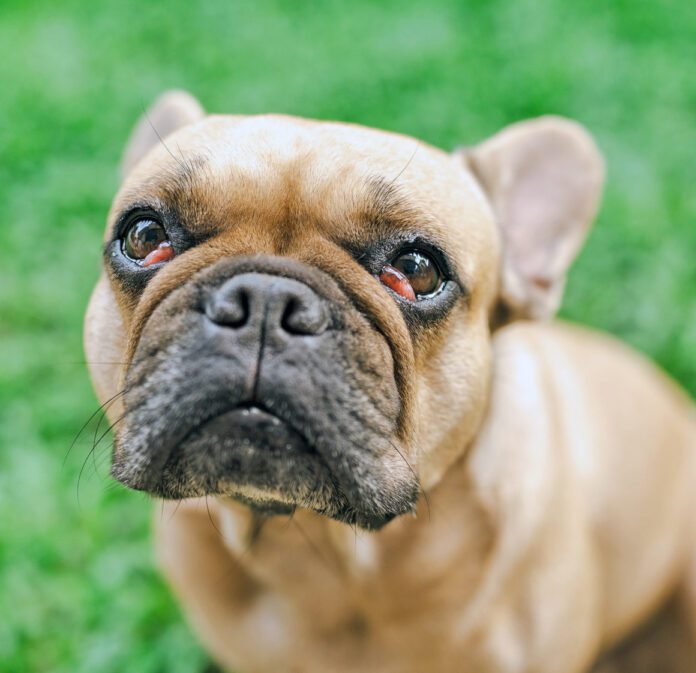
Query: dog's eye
[(146, 242), (413, 275)]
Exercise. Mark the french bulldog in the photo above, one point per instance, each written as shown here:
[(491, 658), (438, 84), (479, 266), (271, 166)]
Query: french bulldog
[(332, 354)]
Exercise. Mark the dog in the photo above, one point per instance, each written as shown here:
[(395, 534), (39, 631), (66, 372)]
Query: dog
[(332, 354)]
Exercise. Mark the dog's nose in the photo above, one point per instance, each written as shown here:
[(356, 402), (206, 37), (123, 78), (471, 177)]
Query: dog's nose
[(281, 304)]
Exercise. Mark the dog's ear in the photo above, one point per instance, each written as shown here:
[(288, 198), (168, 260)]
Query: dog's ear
[(170, 112), (544, 180)]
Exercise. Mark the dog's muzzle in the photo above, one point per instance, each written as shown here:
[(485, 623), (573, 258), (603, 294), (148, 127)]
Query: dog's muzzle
[(259, 379)]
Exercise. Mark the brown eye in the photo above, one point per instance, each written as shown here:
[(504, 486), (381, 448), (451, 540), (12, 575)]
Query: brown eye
[(145, 239), (420, 271)]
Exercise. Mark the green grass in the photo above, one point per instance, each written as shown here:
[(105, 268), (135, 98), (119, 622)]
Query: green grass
[(78, 591)]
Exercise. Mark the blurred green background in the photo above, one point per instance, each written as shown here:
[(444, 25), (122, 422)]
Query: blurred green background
[(78, 591)]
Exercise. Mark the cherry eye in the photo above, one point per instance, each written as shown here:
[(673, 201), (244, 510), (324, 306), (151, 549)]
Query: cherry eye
[(146, 241), (413, 275)]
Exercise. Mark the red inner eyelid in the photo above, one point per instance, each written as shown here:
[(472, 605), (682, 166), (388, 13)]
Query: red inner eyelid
[(163, 253), (397, 282)]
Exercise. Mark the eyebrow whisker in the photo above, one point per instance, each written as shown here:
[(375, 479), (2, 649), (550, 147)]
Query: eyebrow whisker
[(408, 163), (157, 133)]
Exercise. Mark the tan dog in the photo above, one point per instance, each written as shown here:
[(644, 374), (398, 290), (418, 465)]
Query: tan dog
[(339, 355)]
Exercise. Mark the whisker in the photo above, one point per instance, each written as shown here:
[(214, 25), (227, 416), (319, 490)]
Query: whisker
[(253, 537), (312, 544), (103, 459), (408, 163), (176, 509), (93, 362), (413, 472), (152, 126), (91, 452), (96, 430), (112, 486), (102, 407), (210, 517)]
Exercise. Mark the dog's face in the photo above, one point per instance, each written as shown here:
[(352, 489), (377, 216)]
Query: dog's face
[(303, 310)]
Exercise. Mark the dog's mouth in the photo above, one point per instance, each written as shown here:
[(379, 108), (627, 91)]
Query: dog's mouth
[(246, 439), (213, 449), (252, 455), (252, 424), (270, 460)]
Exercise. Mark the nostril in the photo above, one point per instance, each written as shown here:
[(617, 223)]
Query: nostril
[(286, 321), (304, 317), (229, 308)]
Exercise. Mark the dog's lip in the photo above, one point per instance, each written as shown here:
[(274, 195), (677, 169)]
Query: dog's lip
[(247, 411)]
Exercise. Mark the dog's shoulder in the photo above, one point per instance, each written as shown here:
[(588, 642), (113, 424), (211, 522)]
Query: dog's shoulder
[(567, 351)]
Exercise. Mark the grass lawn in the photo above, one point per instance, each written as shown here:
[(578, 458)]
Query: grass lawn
[(78, 591)]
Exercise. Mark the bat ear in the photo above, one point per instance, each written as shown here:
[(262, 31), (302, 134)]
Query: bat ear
[(544, 179), (170, 112)]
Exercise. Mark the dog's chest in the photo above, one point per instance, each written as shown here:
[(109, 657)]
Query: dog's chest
[(420, 570)]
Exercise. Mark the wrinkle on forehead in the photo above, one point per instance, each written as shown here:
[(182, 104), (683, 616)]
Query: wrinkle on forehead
[(297, 194), (295, 176)]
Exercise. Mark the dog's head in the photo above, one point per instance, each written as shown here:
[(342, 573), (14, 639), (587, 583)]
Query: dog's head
[(298, 313)]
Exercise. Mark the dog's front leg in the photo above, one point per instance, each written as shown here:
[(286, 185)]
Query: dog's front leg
[(244, 627)]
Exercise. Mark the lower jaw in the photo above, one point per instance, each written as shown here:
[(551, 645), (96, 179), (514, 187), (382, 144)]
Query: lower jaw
[(265, 506)]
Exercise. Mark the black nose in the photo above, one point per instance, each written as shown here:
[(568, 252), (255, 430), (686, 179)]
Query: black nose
[(281, 304)]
